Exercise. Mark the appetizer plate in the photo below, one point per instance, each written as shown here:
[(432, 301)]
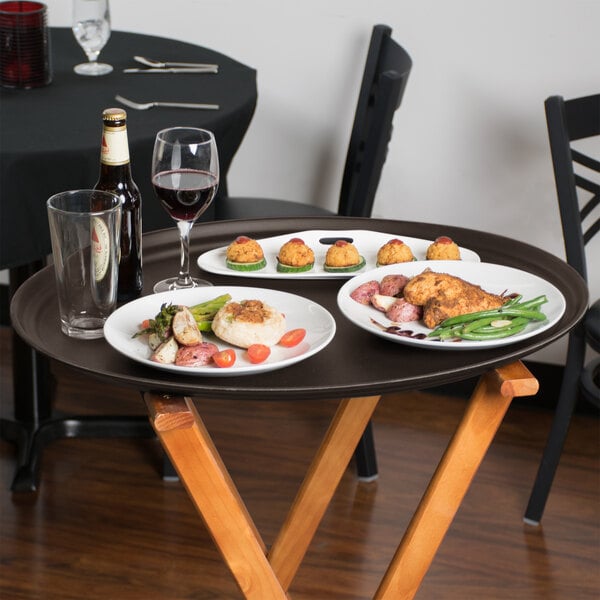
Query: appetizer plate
[(496, 279), (299, 312), (367, 243)]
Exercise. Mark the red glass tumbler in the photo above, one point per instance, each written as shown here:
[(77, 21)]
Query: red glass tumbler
[(25, 60)]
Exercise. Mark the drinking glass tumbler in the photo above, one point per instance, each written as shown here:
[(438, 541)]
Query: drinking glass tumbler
[(25, 59), (85, 230)]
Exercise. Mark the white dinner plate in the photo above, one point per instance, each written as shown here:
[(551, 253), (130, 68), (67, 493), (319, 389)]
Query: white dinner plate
[(299, 312), (367, 243), (496, 279)]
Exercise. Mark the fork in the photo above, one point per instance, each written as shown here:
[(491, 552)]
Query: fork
[(147, 105)]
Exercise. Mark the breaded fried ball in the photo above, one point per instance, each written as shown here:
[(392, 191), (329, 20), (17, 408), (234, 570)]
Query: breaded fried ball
[(296, 253), (342, 254), (443, 249), (244, 250), (394, 251)]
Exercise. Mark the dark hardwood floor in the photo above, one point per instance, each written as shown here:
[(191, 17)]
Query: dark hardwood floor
[(105, 526)]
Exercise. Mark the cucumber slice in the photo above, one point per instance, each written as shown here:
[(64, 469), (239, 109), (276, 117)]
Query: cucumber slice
[(349, 269), (398, 263), (253, 266), (291, 269)]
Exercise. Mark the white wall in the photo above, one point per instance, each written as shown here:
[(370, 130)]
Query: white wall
[(469, 146)]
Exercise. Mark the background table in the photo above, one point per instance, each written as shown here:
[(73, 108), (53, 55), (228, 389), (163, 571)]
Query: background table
[(50, 141), (50, 137), (356, 366)]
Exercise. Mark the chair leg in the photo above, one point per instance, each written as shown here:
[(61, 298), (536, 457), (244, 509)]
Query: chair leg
[(560, 427), (365, 456)]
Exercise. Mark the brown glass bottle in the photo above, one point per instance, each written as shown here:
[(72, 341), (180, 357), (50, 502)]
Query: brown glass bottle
[(115, 177)]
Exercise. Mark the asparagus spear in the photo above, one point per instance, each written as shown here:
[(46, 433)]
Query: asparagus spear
[(203, 315)]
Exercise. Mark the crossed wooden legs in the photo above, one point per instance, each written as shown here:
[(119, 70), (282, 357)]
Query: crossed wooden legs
[(263, 575)]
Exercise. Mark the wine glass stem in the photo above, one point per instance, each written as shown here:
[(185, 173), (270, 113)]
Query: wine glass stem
[(184, 279), (92, 55)]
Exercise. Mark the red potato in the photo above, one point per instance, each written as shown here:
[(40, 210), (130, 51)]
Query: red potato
[(363, 293), (402, 311), (392, 285), (199, 355), (185, 329), (381, 302), (165, 353)]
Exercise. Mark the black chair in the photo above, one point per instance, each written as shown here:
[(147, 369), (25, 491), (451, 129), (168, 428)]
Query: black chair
[(384, 79), (569, 121)]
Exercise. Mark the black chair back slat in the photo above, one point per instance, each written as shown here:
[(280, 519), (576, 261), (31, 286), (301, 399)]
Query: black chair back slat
[(591, 231), (567, 122), (385, 76)]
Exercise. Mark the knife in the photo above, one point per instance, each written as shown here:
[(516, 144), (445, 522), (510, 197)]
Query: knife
[(157, 64), (175, 70)]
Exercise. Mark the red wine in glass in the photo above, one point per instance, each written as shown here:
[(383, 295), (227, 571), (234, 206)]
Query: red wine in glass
[(185, 193)]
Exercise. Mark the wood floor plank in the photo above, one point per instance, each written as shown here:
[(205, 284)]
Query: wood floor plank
[(105, 525)]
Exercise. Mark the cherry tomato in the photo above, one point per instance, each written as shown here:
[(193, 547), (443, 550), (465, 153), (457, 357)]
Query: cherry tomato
[(293, 337), (258, 353), (225, 358), (145, 324)]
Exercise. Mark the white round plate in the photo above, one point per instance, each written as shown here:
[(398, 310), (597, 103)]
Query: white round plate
[(496, 279), (366, 242), (299, 312)]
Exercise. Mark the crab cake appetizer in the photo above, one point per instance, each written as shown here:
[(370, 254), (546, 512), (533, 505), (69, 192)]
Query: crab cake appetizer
[(249, 322), (343, 257), (443, 249), (295, 257), (394, 251), (245, 254)]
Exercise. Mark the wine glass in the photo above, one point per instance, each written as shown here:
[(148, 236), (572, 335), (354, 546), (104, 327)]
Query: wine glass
[(185, 177), (91, 28)]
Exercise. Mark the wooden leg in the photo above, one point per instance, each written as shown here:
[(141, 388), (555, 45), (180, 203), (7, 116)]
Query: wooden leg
[(321, 481), (205, 477), (190, 448), (475, 432)]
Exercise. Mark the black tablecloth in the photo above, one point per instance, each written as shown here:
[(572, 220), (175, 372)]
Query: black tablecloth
[(50, 136)]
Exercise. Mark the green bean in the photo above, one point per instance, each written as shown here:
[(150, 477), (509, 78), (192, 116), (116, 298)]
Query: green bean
[(479, 325), (501, 333), (513, 323), (534, 302), (496, 312)]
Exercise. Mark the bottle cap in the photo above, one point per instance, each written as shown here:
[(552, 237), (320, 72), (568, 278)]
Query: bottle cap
[(114, 114)]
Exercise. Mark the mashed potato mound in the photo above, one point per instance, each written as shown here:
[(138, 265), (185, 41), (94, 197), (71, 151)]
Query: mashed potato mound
[(342, 254), (443, 249), (394, 251), (296, 253), (244, 250), (249, 322)]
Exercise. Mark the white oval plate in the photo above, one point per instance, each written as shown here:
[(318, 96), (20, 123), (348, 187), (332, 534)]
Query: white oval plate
[(366, 242), (492, 278), (299, 312)]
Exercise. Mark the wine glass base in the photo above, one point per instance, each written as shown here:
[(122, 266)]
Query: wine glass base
[(170, 284), (92, 68)]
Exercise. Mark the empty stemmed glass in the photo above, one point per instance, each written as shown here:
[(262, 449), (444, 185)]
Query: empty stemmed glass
[(185, 177), (91, 28)]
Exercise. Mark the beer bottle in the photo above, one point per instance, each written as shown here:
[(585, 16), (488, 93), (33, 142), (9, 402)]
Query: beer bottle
[(115, 177)]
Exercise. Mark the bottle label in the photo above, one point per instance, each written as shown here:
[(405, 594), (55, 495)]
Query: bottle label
[(115, 149), (100, 247)]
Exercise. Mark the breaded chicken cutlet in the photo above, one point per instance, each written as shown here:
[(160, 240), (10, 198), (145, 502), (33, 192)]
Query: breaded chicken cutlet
[(443, 296)]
